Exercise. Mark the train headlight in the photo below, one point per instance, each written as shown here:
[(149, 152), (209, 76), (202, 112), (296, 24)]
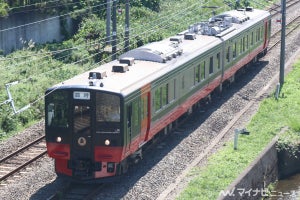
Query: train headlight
[(107, 142), (58, 139)]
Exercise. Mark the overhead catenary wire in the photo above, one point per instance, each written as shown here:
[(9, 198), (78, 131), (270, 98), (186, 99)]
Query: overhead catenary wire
[(43, 6), (96, 43), (147, 31), (153, 30), (34, 4), (57, 51), (159, 19), (51, 18)]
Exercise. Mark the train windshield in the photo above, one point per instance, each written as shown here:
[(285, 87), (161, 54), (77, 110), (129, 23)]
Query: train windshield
[(107, 113), (57, 110)]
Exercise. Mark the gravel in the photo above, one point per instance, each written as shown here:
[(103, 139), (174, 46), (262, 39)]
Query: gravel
[(160, 167)]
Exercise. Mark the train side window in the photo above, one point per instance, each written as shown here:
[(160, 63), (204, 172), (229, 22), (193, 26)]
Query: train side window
[(244, 44), (228, 54), (234, 50), (174, 89), (252, 39), (241, 45), (211, 65), (135, 118), (218, 60), (182, 83), (171, 92), (157, 99), (197, 74), (165, 94), (247, 42), (202, 70)]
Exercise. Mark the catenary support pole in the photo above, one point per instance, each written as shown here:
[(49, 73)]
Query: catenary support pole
[(108, 21), (282, 51), (114, 31), (127, 26)]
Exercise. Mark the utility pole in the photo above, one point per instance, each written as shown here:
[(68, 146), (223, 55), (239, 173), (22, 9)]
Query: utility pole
[(114, 31), (108, 21), (282, 51), (127, 26)]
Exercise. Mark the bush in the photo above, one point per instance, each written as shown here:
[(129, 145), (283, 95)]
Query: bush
[(9, 123)]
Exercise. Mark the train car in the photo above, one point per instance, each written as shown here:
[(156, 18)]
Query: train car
[(98, 122)]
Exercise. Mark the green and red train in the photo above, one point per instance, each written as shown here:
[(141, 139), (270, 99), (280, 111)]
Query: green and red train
[(100, 121)]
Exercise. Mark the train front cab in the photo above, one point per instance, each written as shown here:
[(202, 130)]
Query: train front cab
[(83, 133)]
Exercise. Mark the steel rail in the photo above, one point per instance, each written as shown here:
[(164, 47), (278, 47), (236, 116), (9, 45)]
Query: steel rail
[(16, 153)]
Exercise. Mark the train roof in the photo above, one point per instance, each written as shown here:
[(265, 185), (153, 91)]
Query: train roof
[(139, 67)]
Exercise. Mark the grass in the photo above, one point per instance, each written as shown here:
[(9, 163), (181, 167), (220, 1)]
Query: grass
[(225, 166)]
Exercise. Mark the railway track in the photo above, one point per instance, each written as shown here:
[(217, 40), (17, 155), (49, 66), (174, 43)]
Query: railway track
[(74, 191), (21, 158), (276, 9), (290, 27)]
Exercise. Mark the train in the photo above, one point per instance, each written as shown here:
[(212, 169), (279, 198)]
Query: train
[(99, 122)]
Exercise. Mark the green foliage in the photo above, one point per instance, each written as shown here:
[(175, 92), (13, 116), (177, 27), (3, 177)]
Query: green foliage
[(137, 13), (289, 142), (153, 5), (8, 123), (91, 28), (3, 8)]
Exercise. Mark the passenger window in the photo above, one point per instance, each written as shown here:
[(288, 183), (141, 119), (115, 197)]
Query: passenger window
[(218, 57), (244, 44), (202, 72), (241, 46), (234, 50), (197, 74), (211, 65), (165, 95), (228, 54), (174, 89), (157, 100)]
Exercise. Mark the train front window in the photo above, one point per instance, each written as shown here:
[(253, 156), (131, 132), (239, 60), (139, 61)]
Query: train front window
[(57, 110), (82, 119), (107, 113)]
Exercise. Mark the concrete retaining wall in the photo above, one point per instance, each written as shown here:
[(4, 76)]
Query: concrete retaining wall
[(288, 163), (40, 28), (252, 182)]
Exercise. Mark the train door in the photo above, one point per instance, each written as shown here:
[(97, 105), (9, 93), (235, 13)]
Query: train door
[(145, 113), (133, 124), (129, 126), (81, 151), (266, 34)]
